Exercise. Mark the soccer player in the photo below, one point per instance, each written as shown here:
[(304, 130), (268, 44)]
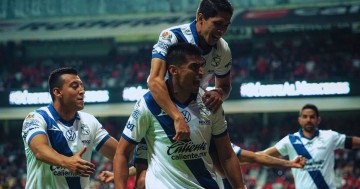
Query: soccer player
[(317, 146), (212, 21), (173, 163), (59, 138)]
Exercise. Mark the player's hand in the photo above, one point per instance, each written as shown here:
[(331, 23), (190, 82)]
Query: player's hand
[(76, 165), (299, 162), (106, 176), (212, 100), (182, 129)]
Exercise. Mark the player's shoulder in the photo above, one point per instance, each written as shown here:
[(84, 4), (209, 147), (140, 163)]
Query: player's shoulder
[(222, 47), (222, 44), (328, 133), (38, 113), (86, 116)]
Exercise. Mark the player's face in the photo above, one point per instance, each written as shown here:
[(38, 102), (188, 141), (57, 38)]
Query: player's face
[(190, 74), (309, 121), (212, 29), (72, 92)]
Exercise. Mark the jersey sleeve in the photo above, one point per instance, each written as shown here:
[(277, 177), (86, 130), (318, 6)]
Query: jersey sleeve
[(283, 145), (166, 39), (33, 125), (219, 123), (101, 134), (138, 123), (225, 60), (338, 138)]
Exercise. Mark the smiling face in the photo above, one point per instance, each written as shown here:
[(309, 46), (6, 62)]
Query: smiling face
[(212, 29), (71, 94), (188, 75)]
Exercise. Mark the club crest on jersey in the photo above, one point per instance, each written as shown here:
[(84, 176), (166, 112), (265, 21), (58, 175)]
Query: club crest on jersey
[(166, 36), (216, 60), (70, 135), (85, 129), (186, 115)]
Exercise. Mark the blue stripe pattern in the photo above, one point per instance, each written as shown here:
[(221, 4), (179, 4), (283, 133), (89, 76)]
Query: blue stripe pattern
[(59, 143), (197, 166), (316, 174)]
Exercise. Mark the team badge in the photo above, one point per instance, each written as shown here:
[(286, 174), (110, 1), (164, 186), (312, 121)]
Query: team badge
[(186, 115), (85, 130)]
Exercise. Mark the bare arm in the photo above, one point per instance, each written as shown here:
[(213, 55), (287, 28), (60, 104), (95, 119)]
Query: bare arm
[(214, 98), (160, 93), (264, 159), (140, 175), (43, 152), (107, 176), (355, 142), (272, 151), (109, 147), (120, 163), (229, 161)]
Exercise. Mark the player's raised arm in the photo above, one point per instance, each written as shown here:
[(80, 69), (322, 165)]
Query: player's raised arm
[(160, 93)]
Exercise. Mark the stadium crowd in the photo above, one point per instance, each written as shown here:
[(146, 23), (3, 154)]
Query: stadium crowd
[(311, 58)]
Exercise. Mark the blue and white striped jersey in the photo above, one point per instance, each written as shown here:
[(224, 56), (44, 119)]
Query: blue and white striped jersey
[(321, 148), (176, 164), (217, 61), (66, 138)]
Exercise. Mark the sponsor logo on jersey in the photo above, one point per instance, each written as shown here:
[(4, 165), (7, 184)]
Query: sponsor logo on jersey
[(162, 113), (135, 114), (86, 141), (130, 126), (204, 122), (60, 171), (181, 150), (30, 123), (297, 141), (54, 128), (312, 165), (70, 135), (186, 115)]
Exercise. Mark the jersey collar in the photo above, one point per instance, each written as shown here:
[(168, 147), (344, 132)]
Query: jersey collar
[(58, 118), (315, 135)]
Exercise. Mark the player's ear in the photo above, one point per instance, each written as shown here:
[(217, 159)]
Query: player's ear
[(57, 92), (318, 120), (173, 70), (199, 17)]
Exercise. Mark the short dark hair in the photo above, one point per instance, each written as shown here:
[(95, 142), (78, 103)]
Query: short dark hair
[(177, 53), (55, 78), (310, 106), (211, 8)]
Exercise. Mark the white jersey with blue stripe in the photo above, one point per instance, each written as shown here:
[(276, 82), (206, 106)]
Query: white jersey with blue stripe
[(217, 60), (321, 148), (176, 164), (66, 138)]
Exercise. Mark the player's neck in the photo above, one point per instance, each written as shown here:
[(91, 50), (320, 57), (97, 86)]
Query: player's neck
[(64, 112), (203, 45), (176, 92)]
